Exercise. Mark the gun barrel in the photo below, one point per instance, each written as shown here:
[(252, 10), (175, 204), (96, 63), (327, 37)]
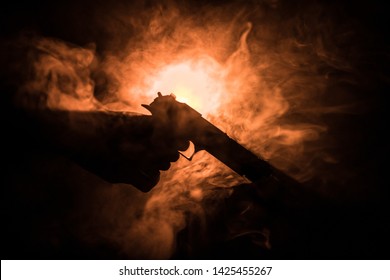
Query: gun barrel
[(231, 153), (185, 123), (272, 181)]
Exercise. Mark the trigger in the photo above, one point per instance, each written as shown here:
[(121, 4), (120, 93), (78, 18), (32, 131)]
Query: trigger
[(190, 152)]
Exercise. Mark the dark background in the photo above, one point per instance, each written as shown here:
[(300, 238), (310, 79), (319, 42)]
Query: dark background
[(352, 224)]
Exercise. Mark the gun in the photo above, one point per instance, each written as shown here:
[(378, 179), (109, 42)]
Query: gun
[(97, 141), (180, 121)]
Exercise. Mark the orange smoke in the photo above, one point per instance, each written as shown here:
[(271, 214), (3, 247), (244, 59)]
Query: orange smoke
[(240, 75)]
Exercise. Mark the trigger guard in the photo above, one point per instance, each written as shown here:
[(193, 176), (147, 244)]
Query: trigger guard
[(192, 149)]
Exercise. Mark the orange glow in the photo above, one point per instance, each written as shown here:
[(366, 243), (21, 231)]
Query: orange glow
[(245, 94), (200, 84), (260, 87), (197, 193)]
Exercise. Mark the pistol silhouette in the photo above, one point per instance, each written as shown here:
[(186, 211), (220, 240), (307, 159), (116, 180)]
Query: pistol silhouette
[(178, 121), (121, 147)]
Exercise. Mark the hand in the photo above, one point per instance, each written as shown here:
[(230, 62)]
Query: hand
[(118, 147)]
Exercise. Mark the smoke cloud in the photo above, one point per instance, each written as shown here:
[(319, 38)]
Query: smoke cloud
[(273, 71)]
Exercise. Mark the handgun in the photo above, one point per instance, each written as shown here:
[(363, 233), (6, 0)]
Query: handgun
[(180, 121)]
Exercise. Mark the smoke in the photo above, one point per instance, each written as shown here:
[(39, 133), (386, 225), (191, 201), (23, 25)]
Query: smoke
[(270, 67), (61, 77)]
